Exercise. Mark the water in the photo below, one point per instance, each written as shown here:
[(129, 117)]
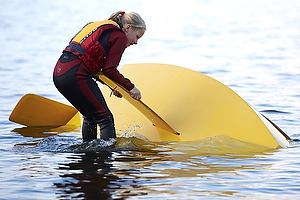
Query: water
[(251, 46)]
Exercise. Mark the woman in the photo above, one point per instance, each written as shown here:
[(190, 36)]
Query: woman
[(98, 46)]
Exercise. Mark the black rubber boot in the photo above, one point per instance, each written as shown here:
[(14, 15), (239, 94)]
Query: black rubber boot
[(89, 129), (107, 128), (108, 132)]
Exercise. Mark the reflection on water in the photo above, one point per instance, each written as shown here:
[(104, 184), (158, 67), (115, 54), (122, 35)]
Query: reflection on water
[(129, 167), (88, 176), (42, 132), (140, 168)]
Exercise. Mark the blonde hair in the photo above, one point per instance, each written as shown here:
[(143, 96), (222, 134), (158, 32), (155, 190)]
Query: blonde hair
[(132, 18)]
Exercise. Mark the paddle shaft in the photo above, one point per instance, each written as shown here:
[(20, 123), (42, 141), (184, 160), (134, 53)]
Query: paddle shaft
[(156, 120)]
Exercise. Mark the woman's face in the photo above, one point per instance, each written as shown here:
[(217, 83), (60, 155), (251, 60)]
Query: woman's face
[(133, 35)]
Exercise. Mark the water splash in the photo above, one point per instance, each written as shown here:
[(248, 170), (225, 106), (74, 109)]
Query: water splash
[(63, 144), (68, 144)]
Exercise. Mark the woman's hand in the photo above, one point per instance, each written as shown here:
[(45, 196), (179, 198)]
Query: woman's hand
[(135, 93)]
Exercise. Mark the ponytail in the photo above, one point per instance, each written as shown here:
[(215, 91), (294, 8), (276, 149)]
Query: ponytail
[(132, 18)]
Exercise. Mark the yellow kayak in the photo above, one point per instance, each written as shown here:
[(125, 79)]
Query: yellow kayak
[(193, 104)]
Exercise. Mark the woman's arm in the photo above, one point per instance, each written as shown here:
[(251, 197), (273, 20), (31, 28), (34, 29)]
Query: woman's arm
[(117, 42)]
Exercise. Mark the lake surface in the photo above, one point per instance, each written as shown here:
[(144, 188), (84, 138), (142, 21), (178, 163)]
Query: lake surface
[(252, 46)]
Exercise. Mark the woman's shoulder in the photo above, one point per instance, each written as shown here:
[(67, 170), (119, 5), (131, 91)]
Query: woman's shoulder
[(118, 36), (118, 33)]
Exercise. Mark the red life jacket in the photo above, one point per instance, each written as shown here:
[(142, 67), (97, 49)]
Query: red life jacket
[(85, 44)]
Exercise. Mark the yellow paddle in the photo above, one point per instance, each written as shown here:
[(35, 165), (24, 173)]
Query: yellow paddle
[(154, 118), (34, 110)]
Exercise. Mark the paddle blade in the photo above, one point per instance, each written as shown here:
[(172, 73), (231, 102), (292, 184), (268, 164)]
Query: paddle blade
[(34, 110)]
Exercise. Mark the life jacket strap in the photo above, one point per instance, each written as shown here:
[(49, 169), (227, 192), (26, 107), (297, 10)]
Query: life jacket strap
[(75, 47)]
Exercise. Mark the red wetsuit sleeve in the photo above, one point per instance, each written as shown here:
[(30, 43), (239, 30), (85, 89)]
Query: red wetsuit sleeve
[(117, 42)]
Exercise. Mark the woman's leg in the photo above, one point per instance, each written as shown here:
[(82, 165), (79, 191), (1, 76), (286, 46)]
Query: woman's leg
[(89, 129), (107, 128), (82, 91)]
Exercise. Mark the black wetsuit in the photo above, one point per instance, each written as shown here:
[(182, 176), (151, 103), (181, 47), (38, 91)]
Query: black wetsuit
[(75, 82)]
